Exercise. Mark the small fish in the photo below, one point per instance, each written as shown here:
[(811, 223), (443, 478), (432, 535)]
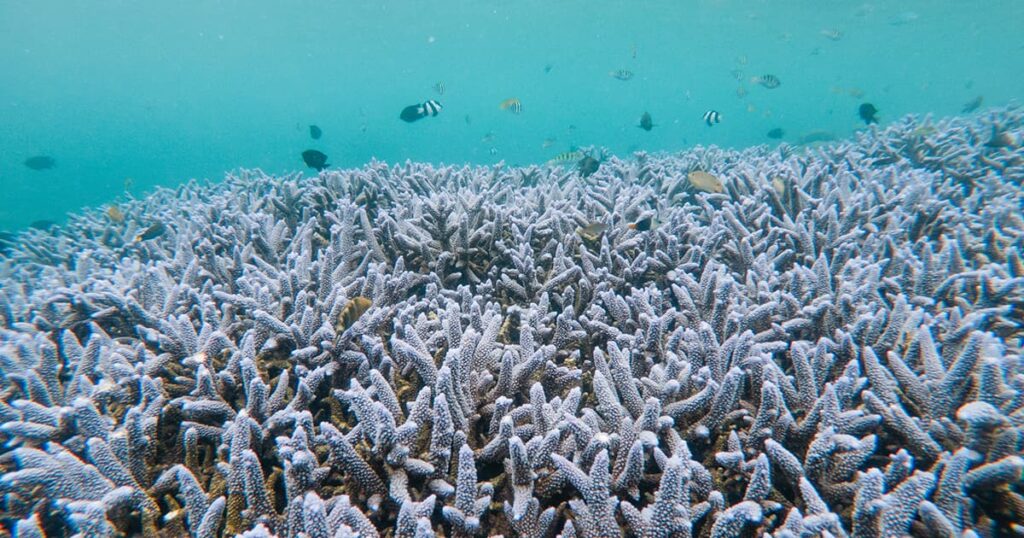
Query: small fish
[(115, 214), (354, 309), (712, 117), (512, 105), (768, 81), (492, 151), (643, 224), (1003, 139), (45, 225), (776, 133), (568, 156), (972, 105), (741, 92), (548, 142), (645, 122), (315, 159), (155, 230), (468, 120), (834, 34), (634, 51), (488, 138), (592, 232), (868, 113), (588, 165), (548, 68), (742, 59), (40, 162), (315, 132), (439, 88), (704, 181), (856, 93), (413, 113), (621, 74), (128, 184), (815, 137)]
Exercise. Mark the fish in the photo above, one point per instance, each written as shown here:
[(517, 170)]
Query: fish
[(567, 157), (592, 232), (353, 310), (40, 162), (488, 137), (645, 122), (548, 68), (128, 184), (548, 142), (315, 159), (741, 92), (705, 182), (512, 105), (588, 165), (492, 151), (768, 81), (44, 224), (776, 133), (417, 112), (439, 88), (834, 34), (115, 214), (972, 105), (817, 136), (643, 224), (621, 74), (1003, 139), (315, 133), (711, 117), (868, 113), (155, 230)]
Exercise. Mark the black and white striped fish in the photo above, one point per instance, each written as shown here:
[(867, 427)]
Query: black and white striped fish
[(712, 117), (413, 113), (768, 81)]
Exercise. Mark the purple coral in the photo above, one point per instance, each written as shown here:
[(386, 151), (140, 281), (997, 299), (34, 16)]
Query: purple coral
[(831, 346)]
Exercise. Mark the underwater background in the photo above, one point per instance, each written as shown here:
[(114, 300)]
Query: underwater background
[(164, 92)]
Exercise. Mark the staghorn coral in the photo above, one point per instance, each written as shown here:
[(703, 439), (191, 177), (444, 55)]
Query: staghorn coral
[(829, 346)]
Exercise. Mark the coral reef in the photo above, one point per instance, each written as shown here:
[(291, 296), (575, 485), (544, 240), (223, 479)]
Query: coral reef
[(831, 346)]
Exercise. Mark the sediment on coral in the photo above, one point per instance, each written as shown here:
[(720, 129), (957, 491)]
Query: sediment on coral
[(829, 347)]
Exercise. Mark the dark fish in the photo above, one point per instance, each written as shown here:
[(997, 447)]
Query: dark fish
[(645, 122), (972, 105), (155, 230), (413, 113), (776, 133), (1002, 139), (588, 165), (643, 224), (315, 159), (711, 117), (547, 68), (868, 113), (315, 133), (44, 225), (40, 162), (354, 309)]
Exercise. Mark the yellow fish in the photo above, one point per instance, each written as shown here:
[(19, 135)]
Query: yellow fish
[(115, 214), (706, 182), (568, 156), (512, 105), (353, 310)]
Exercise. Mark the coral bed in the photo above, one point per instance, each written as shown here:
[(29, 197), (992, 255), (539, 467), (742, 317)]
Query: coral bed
[(829, 347)]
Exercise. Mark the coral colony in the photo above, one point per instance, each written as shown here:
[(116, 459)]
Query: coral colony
[(829, 347)]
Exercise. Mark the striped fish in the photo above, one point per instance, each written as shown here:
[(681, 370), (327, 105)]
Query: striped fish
[(431, 108), (768, 81), (439, 88), (712, 117), (621, 74), (512, 105), (568, 156)]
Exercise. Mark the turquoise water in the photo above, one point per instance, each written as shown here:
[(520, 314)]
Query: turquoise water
[(164, 92)]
